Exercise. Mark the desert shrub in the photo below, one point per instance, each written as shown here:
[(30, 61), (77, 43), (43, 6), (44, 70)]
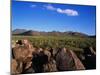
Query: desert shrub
[(73, 43)]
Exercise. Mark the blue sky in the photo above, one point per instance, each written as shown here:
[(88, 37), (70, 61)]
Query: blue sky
[(53, 17)]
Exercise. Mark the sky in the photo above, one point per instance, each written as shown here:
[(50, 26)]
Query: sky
[(47, 17)]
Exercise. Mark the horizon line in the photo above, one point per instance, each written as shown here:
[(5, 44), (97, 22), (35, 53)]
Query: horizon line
[(53, 31)]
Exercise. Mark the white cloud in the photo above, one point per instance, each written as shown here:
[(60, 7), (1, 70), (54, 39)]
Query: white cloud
[(68, 12), (49, 7), (59, 10), (71, 12)]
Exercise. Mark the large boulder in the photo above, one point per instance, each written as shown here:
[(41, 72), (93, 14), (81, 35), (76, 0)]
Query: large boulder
[(22, 53), (79, 65), (65, 61), (50, 66)]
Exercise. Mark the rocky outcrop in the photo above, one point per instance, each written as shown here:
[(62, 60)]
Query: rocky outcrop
[(78, 63)]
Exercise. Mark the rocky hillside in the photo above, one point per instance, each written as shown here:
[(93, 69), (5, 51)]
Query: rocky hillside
[(52, 33)]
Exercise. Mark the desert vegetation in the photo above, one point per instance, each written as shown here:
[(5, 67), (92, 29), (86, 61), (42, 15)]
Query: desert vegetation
[(76, 44), (78, 49)]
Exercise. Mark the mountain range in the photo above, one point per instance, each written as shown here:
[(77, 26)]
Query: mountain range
[(52, 33)]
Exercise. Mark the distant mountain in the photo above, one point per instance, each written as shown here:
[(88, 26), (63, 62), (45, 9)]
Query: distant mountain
[(18, 31), (52, 33), (30, 32), (76, 34)]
